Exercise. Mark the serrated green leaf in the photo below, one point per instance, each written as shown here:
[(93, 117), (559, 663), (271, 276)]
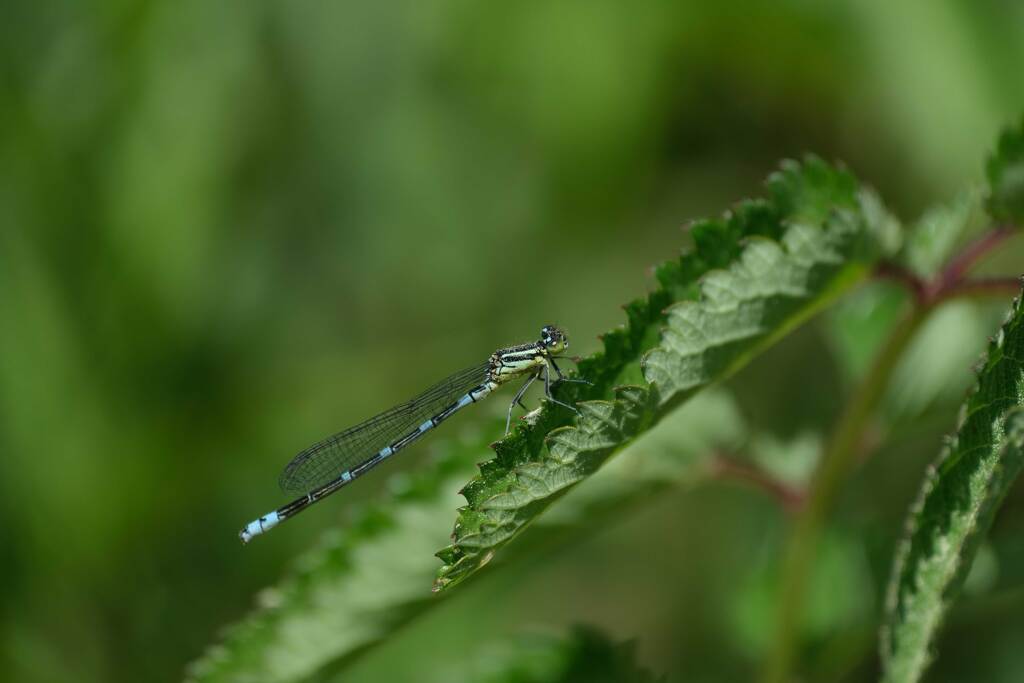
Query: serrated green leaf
[(675, 452), (367, 580), (572, 454), (760, 298), (751, 276), (958, 500), (1005, 172)]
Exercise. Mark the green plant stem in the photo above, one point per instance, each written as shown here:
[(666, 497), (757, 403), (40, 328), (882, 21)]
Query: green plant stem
[(838, 460)]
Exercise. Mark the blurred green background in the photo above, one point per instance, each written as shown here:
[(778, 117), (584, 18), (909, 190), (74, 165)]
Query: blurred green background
[(230, 228)]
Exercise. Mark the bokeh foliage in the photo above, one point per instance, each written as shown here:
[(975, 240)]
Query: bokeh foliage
[(231, 228)]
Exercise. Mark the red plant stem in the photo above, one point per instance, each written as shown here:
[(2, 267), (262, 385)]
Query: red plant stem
[(982, 286), (728, 468), (951, 281), (897, 273), (958, 266)]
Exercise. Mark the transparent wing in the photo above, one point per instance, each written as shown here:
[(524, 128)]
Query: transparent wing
[(325, 461)]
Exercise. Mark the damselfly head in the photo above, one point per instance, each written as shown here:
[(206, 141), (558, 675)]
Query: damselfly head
[(553, 339)]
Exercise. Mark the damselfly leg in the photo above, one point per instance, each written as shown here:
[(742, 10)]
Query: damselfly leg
[(546, 371), (518, 399), (547, 390), (563, 378)]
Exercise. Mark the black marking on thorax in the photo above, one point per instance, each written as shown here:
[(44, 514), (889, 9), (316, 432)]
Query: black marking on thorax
[(515, 354)]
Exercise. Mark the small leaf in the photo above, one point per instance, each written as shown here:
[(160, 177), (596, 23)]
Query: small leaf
[(932, 240), (886, 230), (791, 461), (752, 276), (958, 501), (1005, 172)]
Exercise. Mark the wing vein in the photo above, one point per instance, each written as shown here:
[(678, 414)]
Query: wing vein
[(326, 460)]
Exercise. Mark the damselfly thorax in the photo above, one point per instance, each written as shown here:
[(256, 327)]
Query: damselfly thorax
[(515, 361)]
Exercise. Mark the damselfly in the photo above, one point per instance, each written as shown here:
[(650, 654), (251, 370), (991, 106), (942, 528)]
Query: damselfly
[(325, 467)]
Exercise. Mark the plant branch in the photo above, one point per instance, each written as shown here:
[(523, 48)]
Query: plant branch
[(951, 281), (960, 264), (918, 287), (841, 454), (986, 286), (727, 468)]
